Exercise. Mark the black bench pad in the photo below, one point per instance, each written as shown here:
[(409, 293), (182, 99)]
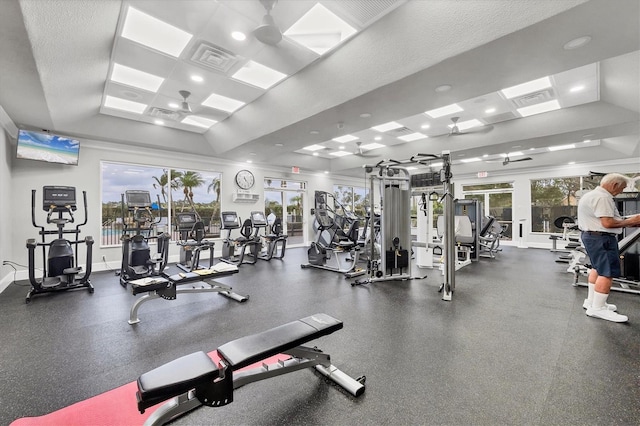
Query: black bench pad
[(175, 378), (250, 349)]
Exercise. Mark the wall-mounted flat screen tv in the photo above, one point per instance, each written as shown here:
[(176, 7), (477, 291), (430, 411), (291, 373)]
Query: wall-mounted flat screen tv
[(48, 147)]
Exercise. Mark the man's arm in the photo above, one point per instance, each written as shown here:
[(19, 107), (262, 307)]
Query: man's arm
[(609, 222)]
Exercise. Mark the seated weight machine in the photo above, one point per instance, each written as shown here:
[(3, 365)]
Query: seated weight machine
[(137, 261), (192, 242), (60, 263)]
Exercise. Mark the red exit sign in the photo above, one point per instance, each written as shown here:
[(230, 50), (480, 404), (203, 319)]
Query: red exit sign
[(483, 174)]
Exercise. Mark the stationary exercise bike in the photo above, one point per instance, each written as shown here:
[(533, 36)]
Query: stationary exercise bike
[(192, 241), (231, 246), (275, 242), (60, 265), (137, 261)]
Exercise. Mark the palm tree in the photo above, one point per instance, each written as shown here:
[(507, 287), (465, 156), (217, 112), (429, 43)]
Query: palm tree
[(189, 180), (215, 187), (162, 182)]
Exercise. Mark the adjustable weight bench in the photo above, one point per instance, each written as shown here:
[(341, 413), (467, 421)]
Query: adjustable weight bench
[(194, 380)]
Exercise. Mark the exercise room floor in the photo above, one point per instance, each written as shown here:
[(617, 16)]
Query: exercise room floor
[(514, 347)]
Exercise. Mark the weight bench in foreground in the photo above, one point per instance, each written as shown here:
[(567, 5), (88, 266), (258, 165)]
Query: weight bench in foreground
[(194, 380), (202, 281)]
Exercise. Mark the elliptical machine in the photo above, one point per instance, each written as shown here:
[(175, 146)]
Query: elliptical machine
[(60, 264), (137, 261)]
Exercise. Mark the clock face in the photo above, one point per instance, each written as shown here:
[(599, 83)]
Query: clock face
[(245, 179)]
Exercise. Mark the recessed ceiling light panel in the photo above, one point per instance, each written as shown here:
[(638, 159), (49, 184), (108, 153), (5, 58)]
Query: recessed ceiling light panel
[(445, 110), (340, 153), (345, 138), (136, 78), (313, 147), (561, 147), (320, 30), (222, 103), (154, 33), (387, 126), (526, 88), (468, 124), (372, 145), (412, 137), (258, 75), (194, 120), (124, 104)]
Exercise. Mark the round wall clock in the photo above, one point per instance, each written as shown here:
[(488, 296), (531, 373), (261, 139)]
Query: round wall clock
[(245, 179)]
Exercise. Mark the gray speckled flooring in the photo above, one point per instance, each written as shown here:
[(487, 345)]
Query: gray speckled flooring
[(513, 347)]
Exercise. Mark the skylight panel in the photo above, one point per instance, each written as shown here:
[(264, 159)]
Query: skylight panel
[(313, 147), (445, 110), (154, 33), (136, 78), (526, 88), (222, 103), (412, 137), (258, 75), (345, 138), (319, 30), (124, 104), (539, 108), (340, 153), (194, 120), (372, 146), (469, 124), (387, 126)]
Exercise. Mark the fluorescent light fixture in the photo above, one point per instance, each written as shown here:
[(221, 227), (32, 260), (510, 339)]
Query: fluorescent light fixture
[(526, 88), (464, 125), (575, 89), (340, 153), (222, 103), (313, 147), (412, 137), (387, 126), (539, 108), (319, 30), (194, 120), (445, 110), (470, 160), (345, 138), (124, 104), (136, 78), (561, 147), (154, 33), (372, 146), (258, 75)]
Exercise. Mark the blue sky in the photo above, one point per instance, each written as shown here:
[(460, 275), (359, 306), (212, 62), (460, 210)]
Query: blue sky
[(48, 141)]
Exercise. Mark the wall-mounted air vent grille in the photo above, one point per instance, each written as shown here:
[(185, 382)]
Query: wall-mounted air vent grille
[(214, 57), (533, 98)]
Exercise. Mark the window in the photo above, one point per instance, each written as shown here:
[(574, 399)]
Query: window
[(551, 199), (171, 191), (353, 198)]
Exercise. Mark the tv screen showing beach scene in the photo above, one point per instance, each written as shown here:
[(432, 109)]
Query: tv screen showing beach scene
[(48, 147)]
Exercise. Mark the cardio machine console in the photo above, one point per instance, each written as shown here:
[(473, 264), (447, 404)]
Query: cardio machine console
[(58, 198), (258, 220), (230, 220), (138, 198)]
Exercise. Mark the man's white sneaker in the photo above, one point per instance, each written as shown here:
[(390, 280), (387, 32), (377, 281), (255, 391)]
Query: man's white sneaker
[(605, 314), (587, 305)]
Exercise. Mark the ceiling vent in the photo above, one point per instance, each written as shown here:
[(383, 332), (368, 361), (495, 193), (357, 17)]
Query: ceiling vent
[(533, 98), (401, 131), (164, 114), (499, 118), (214, 57)]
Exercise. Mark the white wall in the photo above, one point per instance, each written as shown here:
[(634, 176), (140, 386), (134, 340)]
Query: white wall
[(7, 241)]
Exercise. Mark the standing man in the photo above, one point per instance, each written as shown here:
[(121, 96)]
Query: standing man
[(600, 223)]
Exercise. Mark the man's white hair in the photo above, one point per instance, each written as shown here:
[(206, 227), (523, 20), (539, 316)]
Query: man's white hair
[(615, 178)]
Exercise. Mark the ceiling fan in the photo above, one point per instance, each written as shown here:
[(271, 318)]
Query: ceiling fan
[(360, 153), (455, 130), (268, 32), (506, 160), (185, 108)]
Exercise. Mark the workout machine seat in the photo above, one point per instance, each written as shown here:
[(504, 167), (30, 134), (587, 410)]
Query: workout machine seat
[(214, 385)]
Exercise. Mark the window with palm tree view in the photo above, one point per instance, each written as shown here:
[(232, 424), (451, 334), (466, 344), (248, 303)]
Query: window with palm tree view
[(171, 191)]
